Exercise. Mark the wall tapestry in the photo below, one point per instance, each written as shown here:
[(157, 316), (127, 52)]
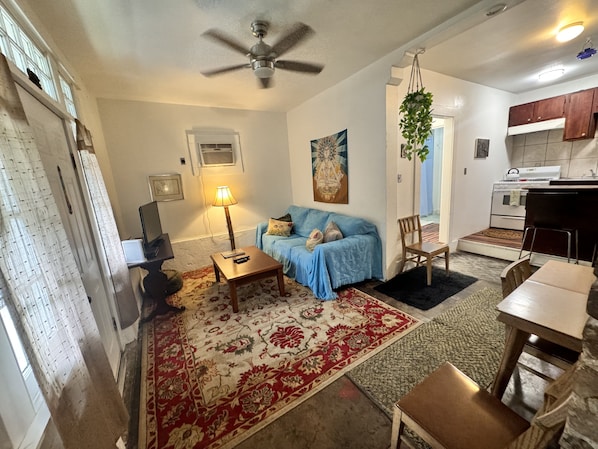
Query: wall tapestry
[(329, 168)]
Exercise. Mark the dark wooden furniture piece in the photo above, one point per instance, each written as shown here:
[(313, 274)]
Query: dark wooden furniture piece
[(573, 207), (259, 266), (155, 282), (547, 109), (580, 122), (410, 229), (550, 304), (449, 410), (578, 109)]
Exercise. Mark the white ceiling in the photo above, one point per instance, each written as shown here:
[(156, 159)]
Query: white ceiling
[(152, 50)]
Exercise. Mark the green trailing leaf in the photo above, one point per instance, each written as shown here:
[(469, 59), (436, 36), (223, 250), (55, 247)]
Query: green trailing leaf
[(416, 122)]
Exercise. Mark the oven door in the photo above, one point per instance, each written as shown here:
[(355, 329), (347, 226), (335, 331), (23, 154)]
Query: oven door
[(508, 209)]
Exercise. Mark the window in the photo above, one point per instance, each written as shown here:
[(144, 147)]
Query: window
[(67, 94), (19, 48)]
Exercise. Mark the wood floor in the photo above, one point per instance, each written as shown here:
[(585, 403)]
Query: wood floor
[(492, 236)]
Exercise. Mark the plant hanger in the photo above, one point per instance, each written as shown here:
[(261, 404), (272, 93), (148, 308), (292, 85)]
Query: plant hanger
[(416, 114)]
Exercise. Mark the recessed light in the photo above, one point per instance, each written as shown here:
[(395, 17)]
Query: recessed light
[(569, 32), (551, 74)]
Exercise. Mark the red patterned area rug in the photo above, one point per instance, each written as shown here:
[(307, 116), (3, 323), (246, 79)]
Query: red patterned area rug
[(211, 377)]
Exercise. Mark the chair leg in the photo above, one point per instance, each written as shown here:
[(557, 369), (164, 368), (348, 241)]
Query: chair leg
[(523, 241), (402, 264), (429, 270), (446, 262)]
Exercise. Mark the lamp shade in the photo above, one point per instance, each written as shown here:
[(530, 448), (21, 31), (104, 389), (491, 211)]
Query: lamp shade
[(224, 197)]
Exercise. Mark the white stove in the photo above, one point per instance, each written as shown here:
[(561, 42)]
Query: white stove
[(509, 195)]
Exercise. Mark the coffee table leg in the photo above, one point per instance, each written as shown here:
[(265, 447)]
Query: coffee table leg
[(216, 273), (280, 282), (232, 286)]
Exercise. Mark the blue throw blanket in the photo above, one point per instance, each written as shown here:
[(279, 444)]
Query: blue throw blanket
[(354, 258)]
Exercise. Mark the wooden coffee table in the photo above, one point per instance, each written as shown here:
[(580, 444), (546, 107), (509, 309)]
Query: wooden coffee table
[(259, 266)]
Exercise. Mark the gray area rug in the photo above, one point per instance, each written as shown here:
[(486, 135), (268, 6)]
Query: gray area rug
[(468, 335)]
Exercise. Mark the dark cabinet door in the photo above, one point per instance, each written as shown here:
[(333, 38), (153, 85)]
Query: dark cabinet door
[(549, 108), (537, 111), (580, 122), (521, 114)]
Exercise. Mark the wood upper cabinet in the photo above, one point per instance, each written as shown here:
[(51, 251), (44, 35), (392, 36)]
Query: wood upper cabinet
[(547, 109), (580, 122)]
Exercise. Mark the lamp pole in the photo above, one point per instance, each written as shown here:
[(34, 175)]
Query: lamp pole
[(229, 225)]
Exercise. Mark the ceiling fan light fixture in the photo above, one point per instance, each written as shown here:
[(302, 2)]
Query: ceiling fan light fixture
[(262, 68), (569, 32), (587, 50), (551, 74)]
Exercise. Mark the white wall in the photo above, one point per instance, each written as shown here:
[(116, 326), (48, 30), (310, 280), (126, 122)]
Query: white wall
[(149, 138), (364, 104)]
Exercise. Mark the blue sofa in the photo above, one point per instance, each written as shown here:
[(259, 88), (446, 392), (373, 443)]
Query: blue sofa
[(354, 258)]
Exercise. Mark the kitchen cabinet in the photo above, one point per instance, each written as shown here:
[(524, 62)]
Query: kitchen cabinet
[(580, 122), (546, 109), (595, 102)]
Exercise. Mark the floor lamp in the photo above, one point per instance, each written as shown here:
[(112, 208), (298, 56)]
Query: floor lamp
[(224, 199)]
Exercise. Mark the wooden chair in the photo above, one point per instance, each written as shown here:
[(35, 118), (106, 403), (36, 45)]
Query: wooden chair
[(411, 231), (512, 277), (448, 410)]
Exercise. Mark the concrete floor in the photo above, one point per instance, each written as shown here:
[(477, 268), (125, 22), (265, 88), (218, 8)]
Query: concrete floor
[(342, 416)]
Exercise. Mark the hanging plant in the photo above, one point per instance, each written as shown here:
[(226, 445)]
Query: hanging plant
[(416, 115)]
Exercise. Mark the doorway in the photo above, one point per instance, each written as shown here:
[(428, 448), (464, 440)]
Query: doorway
[(435, 180)]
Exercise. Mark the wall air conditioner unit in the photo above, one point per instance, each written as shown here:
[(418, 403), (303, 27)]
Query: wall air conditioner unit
[(214, 151), (216, 154)]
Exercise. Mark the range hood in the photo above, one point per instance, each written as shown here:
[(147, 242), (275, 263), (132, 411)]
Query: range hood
[(544, 125)]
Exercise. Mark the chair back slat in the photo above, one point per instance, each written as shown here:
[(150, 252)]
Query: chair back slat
[(410, 227), (514, 274)]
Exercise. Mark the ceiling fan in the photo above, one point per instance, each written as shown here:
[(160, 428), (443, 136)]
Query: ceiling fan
[(263, 58)]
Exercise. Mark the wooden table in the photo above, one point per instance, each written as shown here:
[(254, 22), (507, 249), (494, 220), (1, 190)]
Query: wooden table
[(550, 304), (259, 266), (156, 281)]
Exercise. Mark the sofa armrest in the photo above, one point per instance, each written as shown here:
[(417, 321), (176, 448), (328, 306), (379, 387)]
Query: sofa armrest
[(259, 231)]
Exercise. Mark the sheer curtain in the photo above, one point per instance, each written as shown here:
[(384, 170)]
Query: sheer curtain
[(44, 292), (102, 209)]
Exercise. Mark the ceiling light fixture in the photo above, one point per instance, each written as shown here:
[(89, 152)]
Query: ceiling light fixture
[(551, 74), (569, 32), (587, 50)]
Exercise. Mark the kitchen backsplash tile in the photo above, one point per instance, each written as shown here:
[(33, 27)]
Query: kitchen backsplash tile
[(534, 153), (558, 150), (544, 148)]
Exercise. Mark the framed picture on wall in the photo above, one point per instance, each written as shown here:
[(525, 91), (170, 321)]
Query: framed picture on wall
[(482, 147), (167, 187)]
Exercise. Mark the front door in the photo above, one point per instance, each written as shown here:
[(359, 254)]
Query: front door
[(54, 143)]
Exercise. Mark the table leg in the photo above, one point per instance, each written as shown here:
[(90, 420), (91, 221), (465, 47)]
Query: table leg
[(232, 286), (280, 282), (514, 343), (216, 272)]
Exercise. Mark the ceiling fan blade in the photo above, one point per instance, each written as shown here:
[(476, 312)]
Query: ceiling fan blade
[(299, 32), (219, 36), (225, 69), (297, 66), (265, 82)]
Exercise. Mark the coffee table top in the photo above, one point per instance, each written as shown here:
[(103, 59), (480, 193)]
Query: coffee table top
[(259, 262)]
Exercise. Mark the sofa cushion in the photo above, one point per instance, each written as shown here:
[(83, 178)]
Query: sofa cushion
[(306, 219), (315, 238), (279, 227), (285, 217), (332, 232)]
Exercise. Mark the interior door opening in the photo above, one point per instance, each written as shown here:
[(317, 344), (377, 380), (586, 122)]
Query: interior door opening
[(435, 180)]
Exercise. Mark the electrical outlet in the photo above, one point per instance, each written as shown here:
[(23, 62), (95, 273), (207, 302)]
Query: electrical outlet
[(183, 161), (399, 178)]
